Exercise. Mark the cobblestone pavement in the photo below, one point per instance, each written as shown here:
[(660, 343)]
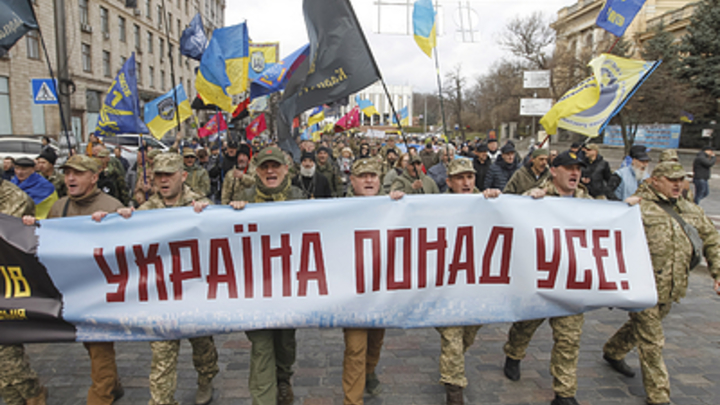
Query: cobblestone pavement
[(408, 367)]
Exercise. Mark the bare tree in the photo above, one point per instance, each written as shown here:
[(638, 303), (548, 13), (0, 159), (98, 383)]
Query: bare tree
[(455, 83), (529, 38)]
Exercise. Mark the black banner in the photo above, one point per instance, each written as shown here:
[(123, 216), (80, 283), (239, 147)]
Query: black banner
[(16, 18)]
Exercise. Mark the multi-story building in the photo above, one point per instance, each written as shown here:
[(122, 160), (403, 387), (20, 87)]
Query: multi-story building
[(402, 96), (101, 36), (674, 21), (578, 35)]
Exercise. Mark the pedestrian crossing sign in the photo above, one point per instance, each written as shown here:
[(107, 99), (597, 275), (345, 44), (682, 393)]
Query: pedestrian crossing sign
[(44, 91)]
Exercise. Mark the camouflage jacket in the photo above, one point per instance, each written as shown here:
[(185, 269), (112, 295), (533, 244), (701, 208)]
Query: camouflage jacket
[(670, 248), (332, 174), (404, 183), (58, 180), (551, 190), (187, 196), (233, 187), (198, 179), (14, 201)]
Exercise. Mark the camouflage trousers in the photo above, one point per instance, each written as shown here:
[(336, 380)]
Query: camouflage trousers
[(18, 381), (644, 330), (567, 331), (163, 368), (362, 354), (455, 341)]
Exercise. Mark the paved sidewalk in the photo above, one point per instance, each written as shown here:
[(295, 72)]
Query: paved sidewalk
[(409, 364)]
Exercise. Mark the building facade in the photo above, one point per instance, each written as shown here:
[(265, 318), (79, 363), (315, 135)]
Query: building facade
[(101, 36), (402, 96)]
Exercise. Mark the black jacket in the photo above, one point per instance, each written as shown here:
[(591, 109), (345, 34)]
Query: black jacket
[(481, 170), (702, 165), (499, 174), (316, 186), (599, 174)]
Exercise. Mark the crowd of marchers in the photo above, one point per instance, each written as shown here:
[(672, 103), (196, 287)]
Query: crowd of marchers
[(197, 174)]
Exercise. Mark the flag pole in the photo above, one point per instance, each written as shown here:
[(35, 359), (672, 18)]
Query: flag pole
[(439, 83), (63, 122), (172, 65)]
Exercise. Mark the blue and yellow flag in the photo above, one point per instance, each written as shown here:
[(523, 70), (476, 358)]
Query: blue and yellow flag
[(589, 106), (367, 107), (120, 112), (687, 117), (616, 16), (275, 77), (40, 190), (424, 26), (160, 113), (193, 40), (404, 118), (317, 115), (223, 70)]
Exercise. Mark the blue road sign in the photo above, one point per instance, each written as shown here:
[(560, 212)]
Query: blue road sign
[(44, 91)]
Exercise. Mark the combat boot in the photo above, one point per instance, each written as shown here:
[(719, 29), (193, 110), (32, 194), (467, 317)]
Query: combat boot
[(285, 393), (204, 394), (372, 384), (564, 400), (454, 395), (117, 392), (620, 366), (39, 399), (512, 369)]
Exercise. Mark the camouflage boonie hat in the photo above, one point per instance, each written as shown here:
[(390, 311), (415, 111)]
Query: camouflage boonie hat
[(153, 153), (363, 166), (669, 155), (415, 159), (168, 163), (188, 152), (460, 165), (671, 170), (103, 153), (271, 153), (82, 163)]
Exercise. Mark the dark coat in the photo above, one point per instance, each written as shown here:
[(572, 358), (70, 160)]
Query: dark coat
[(702, 165), (599, 174), (481, 170), (499, 174), (316, 186)]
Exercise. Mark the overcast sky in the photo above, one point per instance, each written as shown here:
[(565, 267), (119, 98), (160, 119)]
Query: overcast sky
[(400, 60)]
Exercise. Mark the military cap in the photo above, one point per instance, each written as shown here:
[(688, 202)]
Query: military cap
[(189, 152), (415, 159), (460, 165), (49, 155), (24, 162), (362, 166), (82, 163), (168, 163), (568, 158), (507, 148), (153, 153), (103, 153), (671, 170), (669, 155), (592, 146), (540, 152), (271, 153)]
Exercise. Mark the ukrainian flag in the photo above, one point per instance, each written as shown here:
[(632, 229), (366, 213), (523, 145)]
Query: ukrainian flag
[(404, 118), (316, 116), (424, 26), (223, 70), (366, 106), (160, 113), (41, 191)]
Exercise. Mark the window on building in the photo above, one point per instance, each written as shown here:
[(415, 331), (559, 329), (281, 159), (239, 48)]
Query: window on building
[(169, 21), (150, 42), (104, 23), (187, 6), (122, 62), (5, 114), (136, 34), (162, 80), (170, 50), (189, 90), (179, 31), (138, 71), (148, 9), (121, 29), (84, 18), (161, 48), (32, 39), (159, 15), (106, 64), (86, 58), (38, 116), (151, 76)]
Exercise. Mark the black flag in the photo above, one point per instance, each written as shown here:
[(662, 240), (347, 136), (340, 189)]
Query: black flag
[(16, 18), (340, 64)]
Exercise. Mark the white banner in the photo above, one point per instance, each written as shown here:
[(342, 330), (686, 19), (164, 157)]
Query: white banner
[(432, 260)]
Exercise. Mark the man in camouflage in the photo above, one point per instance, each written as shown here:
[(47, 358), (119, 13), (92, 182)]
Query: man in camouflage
[(362, 345), (46, 166), (325, 165), (241, 177), (198, 178), (413, 180), (170, 181), (564, 182), (273, 350), (19, 384), (671, 252)]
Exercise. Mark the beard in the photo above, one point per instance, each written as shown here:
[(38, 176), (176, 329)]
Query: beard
[(307, 172), (639, 173)]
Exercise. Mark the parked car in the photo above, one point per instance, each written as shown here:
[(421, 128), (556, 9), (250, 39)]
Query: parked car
[(21, 146), (129, 145)]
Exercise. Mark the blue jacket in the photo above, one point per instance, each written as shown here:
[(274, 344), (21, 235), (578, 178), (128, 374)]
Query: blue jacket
[(499, 173), (628, 183)]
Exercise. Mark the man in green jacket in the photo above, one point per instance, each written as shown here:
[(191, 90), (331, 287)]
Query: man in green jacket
[(325, 165), (530, 175), (413, 180), (198, 178)]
